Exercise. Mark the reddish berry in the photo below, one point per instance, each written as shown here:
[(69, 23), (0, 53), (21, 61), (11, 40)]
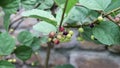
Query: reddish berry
[(65, 33), (117, 19), (61, 29), (51, 34), (56, 41)]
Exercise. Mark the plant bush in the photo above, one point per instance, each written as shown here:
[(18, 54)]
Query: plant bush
[(96, 20)]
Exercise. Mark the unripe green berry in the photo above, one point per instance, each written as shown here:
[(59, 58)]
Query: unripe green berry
[(9, 60), (59, 36), (32, 64), (100, 18), (49, 39), (71, 32), (92, 37), (81, 30), (14, 60), (68, 36), (80, 39)]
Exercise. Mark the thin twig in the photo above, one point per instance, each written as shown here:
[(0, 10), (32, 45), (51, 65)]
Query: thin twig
[(115, 10), (48, 55), (110, 18), (62, 18)]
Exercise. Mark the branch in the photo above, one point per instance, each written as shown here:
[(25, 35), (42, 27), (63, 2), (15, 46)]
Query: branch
[(115, 10), (110, 18), (48, 55), (62, 18)]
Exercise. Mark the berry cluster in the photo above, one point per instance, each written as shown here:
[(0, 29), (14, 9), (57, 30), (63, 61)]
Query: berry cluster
[(63, 35)]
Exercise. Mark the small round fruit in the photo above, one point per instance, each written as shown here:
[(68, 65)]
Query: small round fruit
[(92, 37), (13, 60), (80, 39), (51, 34), (36, 53), (100, 18), (32, 64), (59, 36), (56, 41), (71, 32), (65, 33), (92, 25), (49, 39), (11, 30), (9, 60), (61, 29), (69, 36), (81, 30), (117, 19)]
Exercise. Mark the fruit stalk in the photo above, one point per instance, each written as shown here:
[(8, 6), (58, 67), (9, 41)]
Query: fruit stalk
[(63, 13), (48, 55)]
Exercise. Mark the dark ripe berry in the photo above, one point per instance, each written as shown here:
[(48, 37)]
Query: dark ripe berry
[(92, 25), (61, 29), (117, 19), (51, 34), (56, 41), (65, 33)]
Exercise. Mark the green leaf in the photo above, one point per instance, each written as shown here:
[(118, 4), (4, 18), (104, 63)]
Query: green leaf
[(9, 7), (44, 28), (95, 4), (6, 21), (65, 66), (28, 4), (25, 37), (40, 14), (6, 64), (46, 4), (77, 14), (35, 44), (70, 4), (87, 34), (107, 33), (44, 40), (113, 5), (23, 52), (7, 44)]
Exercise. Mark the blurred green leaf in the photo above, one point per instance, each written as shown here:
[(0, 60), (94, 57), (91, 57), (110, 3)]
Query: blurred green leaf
[(95, 4), (113, 5), (6, 64), (7, 44), (46, 4), (23, 52), (9, 7), (107, 33), (25, 37), (44, 28), (70, 5), (35, 44), (40, 14)]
